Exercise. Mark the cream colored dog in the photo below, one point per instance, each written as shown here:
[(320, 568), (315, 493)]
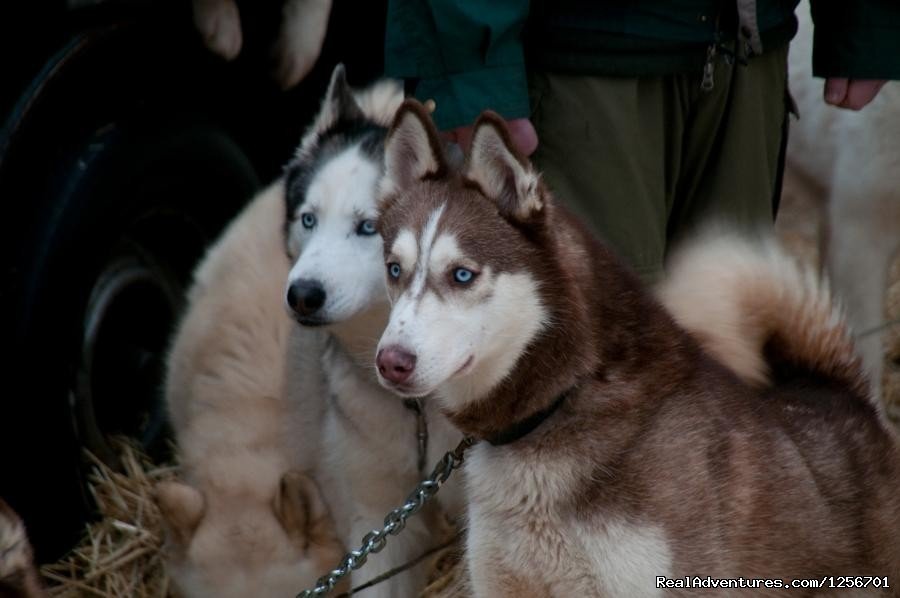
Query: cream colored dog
[(246, 520)]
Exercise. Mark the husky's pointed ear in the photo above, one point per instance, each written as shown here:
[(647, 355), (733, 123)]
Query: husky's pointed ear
[(413, 150), (339, 104), (182, 507), (505, 176)]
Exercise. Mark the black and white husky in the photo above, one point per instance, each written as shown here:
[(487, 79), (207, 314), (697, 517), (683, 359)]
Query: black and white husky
[(371, 450), (258, 402)]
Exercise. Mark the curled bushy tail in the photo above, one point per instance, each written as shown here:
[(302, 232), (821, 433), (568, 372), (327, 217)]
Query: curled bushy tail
[(757, 309)]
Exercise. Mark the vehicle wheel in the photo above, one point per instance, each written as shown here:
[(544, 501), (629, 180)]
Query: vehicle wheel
[(108, 268)]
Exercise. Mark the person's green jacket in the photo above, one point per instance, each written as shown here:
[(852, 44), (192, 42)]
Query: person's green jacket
[(471, 54)]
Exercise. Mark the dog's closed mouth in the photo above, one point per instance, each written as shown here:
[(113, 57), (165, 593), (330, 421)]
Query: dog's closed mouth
[(311, 321), (409, 391), (464, 366)]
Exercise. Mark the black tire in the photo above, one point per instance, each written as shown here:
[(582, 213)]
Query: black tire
[(133, 229), (103, 294)]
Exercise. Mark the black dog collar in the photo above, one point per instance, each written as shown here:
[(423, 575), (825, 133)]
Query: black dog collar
[(527, 425)]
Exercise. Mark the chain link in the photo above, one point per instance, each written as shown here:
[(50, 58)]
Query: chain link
[(394, 522)]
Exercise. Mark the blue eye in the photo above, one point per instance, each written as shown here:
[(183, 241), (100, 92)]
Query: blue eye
[(394, 270), (463, 275), (308, 220), (366, 227)]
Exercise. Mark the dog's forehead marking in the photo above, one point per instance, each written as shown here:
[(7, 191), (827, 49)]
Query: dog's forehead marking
[(404, 248), (426, 245), (345, 183), (445, 251)]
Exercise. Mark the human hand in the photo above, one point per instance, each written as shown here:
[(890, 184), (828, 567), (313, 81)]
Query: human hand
[(522, 132), (852, 94)]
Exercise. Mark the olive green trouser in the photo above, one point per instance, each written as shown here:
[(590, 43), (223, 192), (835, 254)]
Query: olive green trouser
[(643, 160)]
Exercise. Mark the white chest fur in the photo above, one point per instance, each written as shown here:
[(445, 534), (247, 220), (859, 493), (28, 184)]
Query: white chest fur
[(517, 532), (369, 465)]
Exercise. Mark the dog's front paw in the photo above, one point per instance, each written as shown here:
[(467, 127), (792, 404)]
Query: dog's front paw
[(18, 577), (300, 39), (219, 22)]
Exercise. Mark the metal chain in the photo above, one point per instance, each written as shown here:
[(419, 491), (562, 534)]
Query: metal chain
[(400, 569), (394, 522)]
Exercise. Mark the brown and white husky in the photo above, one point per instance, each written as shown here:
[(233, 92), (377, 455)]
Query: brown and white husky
[(616, 455)]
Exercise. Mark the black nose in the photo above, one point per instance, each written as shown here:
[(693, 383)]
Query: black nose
[(305, 296)]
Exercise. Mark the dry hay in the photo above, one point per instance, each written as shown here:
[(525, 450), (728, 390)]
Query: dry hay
[(120, 553)]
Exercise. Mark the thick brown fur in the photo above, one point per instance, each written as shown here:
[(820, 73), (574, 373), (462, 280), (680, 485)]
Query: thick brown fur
[(660, 461)]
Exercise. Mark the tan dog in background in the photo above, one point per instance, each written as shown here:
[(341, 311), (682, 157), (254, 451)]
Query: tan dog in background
[(246, 520)]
